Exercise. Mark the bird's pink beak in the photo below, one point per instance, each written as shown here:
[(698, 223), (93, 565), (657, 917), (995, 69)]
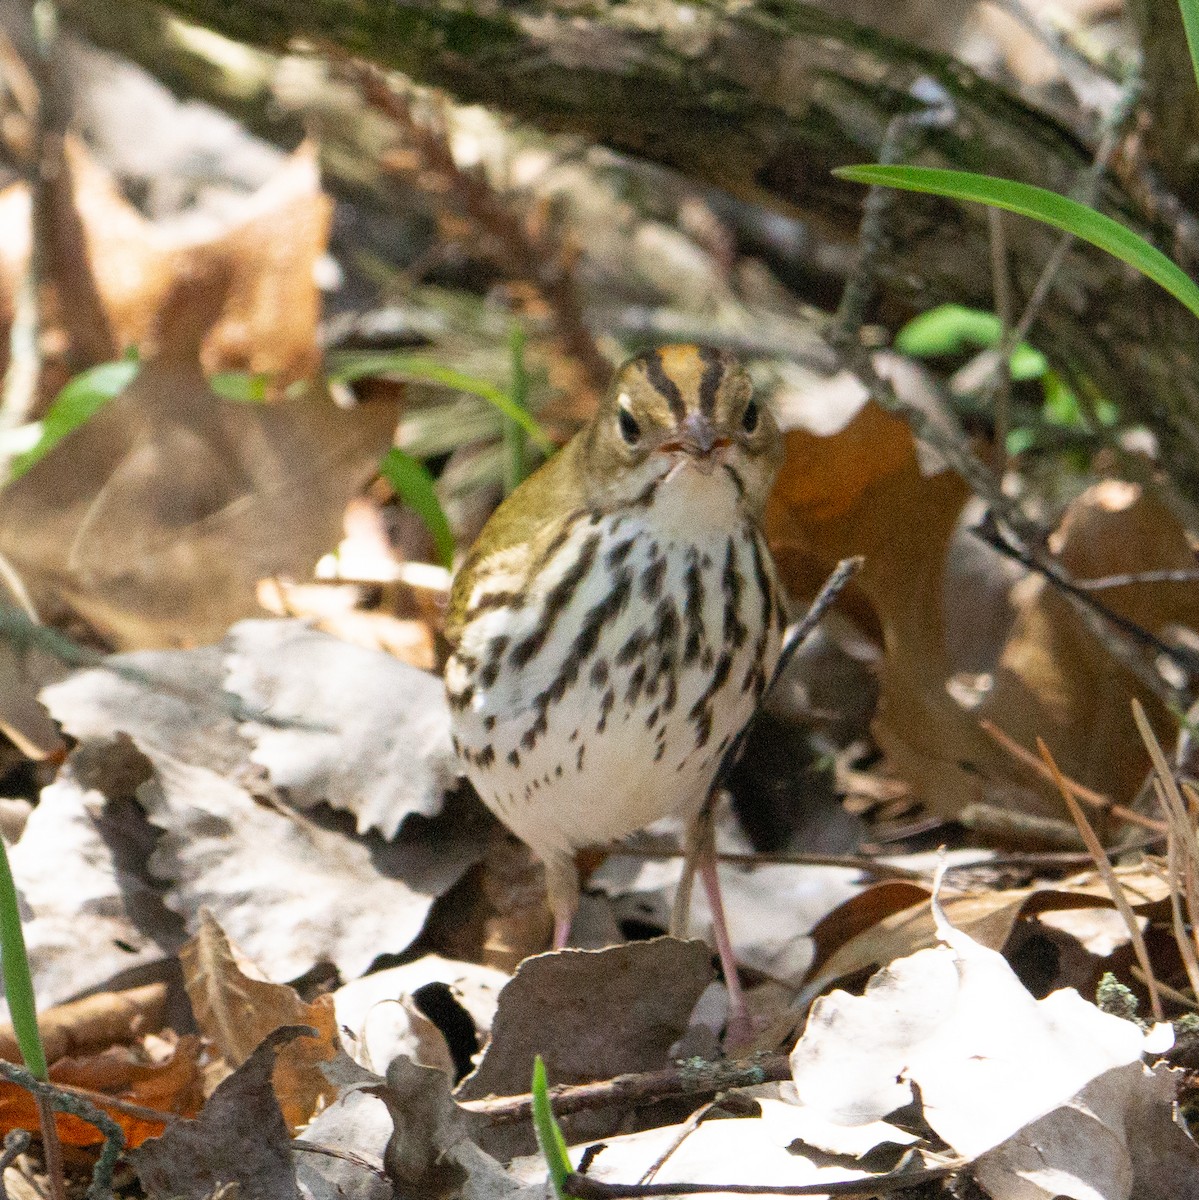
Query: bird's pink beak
[(698, 439)]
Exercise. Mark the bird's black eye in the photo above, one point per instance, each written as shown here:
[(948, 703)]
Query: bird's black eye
[(629, 429), (749, 418)]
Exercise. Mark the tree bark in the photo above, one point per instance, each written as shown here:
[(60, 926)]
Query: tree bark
[(764, 101), (1171, 94)]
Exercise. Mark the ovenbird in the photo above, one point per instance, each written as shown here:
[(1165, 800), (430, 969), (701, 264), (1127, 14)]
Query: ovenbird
[(619, 617)]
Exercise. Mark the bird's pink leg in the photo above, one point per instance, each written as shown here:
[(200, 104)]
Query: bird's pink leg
[(562, 888), (700, 855), (740, 1030), (561, 932)]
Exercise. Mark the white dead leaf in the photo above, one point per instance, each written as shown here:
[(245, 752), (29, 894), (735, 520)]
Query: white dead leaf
[(290, 891), (87, 918), (743, 1151), (1115, 1140), (168, 701), (789, 1122), (356, 729), (987, 1057), (330, 722)]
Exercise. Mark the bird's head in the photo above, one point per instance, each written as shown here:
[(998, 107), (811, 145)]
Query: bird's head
[(676, 410)]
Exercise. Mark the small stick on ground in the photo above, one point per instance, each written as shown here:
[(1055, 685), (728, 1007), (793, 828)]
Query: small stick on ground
[(582, 1187), (703, 1079)]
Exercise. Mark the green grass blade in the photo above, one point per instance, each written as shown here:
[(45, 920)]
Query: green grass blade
[(549, 1133), (1042, 205), (516, 465), (414, 486), (18, 984), (77, 403), (1190, 21), (348, 366)]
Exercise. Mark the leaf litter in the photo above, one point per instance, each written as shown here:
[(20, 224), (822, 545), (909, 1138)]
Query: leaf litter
[(289, 802)]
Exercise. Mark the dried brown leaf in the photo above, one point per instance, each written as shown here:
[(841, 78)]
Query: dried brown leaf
[(236, 1011), (170, 1087)]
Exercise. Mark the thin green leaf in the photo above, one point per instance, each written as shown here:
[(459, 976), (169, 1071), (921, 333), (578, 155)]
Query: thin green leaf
[(549, 1132), (348, 366), (953, 328), (18, 984), (516, 465), (414, 485), (1058, 211), (1190, 21), (77, 403), (241, 386)]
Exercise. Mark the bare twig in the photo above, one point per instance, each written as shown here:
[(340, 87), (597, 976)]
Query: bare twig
[(899, 140), (303, 1147), (1111, 134), (53, 1099), (1104, 867), (704, 1079), (1183, 939), (51, 1146), (832, 587), (1114, 581), (1125, 640), (858, 862), (583, 1187)]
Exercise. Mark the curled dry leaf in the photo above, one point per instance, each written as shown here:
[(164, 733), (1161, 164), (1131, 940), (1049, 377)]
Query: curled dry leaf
[(240, 1137), (236, 1010), (999, 1073), (870, 930), (375, 1028), (431, 1154), (93, 1023), (157, 518), (372, 739), (862, 490)]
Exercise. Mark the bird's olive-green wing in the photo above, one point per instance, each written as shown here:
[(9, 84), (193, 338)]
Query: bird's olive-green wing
[(526, 520)]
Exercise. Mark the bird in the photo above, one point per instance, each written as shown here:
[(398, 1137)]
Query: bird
[(618, 620)]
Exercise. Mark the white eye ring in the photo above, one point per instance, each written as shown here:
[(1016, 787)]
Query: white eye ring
[(626, 423)]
